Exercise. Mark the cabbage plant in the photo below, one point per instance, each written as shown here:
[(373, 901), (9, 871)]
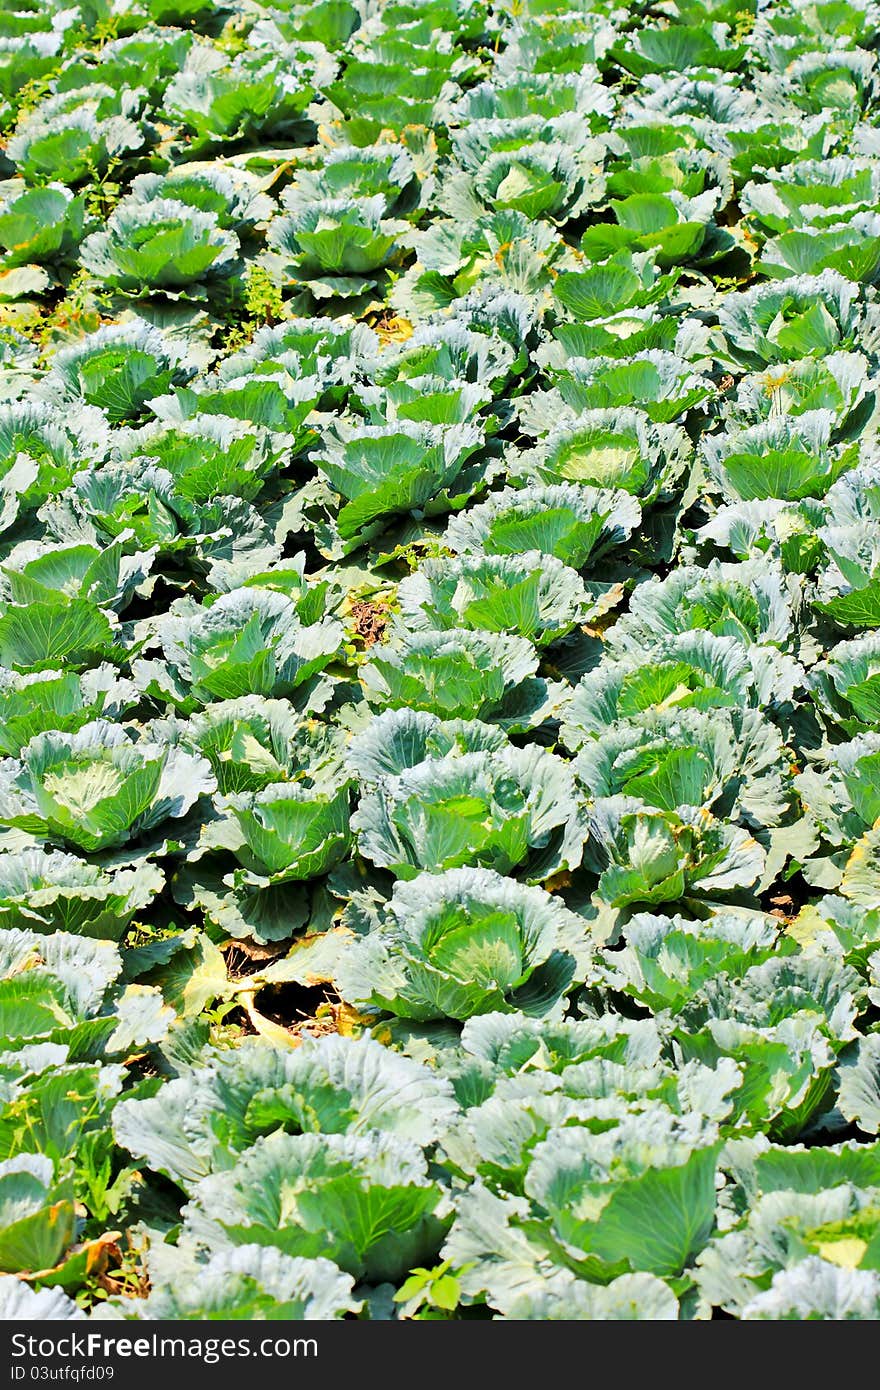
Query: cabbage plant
[(379, 470), (466, 942), (161, 247), (220, 99), (336, 246), (52, 891), (496, 808), (299, 1193), (98, 788), (119, 369), (532, 594), (40, 225), (250, 640)]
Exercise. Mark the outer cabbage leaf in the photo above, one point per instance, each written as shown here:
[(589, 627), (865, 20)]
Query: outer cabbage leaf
[(50, 576), (251, 742), (816, 1289), (18, 1301), (58, 700), (209, 457), (336, 246), (753, 602), (732, 762), (36, 1214), (383, 169), (695, 670), (286, 829), (666, 960), (403, 738), (783, 1227), (846, 686), (256, 92), (805, 316), (57, 144), (850, 583), (851, 248), (661, 383), (230, 193), (653, 1191), (781, 457), (119, 368), (648, 856), (811, 192)]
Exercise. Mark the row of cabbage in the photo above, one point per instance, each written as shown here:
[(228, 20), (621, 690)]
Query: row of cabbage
[(489, 643)]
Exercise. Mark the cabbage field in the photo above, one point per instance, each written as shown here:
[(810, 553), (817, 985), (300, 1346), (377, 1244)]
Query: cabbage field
[(439, 659)]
